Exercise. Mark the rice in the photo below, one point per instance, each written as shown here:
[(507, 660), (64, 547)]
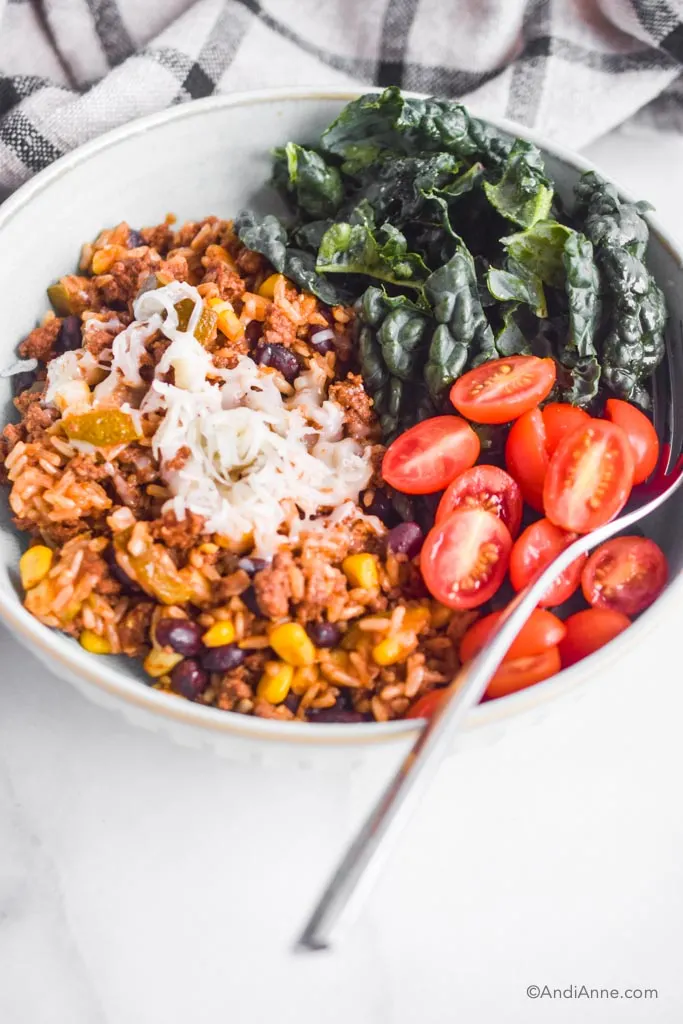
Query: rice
[(161, 534)]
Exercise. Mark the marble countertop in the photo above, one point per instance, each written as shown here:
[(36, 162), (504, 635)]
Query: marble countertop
[(141, 883)]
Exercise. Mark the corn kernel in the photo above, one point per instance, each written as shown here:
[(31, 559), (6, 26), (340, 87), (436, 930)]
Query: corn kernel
[(275, 682), (219, 634), (267, 289), (34, 565), (159, 663), (394, 648), (93, 643), (291, 642), (416, 619), (361, 571)]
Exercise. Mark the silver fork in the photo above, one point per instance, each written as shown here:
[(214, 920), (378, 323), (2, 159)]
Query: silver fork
[(362, 862)]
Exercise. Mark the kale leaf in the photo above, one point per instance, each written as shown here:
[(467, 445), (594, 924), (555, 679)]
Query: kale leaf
[(517, 284), (381, 253), (394, 189), (609, 221), (583, 292), (523, 194), (540, 249), (302, 175)]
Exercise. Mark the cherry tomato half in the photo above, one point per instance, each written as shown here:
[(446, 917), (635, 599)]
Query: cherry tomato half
[(588, 631), (465, 557), (503, 389), (589, 477), (484, 487), (522, 672), (559, 419), (533, 549), (425, 706), (427, 457), (641, 434), (526, 457), (541, 631), (625, 574)]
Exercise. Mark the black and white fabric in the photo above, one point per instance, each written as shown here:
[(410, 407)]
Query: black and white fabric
[(71, 69)]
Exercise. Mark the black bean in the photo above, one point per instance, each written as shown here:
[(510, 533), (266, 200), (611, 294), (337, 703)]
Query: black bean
[(380, 505), (22, 381), (183, 635), (253, 332), (323, 346), (249, 599), (324, 634), (405, 539), (120, 574), (280, 358), (292, 701), (335, 715), (135, 239), (69, 337), (253, 565), (189, 679), (223, 659)]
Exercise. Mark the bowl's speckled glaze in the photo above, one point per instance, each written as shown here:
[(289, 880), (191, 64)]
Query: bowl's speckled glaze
[(213, 157)]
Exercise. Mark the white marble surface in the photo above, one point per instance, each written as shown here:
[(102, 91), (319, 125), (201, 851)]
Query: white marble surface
[(141, 883)]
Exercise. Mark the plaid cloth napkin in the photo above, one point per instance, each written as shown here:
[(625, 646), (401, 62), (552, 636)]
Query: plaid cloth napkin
[(71, 69)]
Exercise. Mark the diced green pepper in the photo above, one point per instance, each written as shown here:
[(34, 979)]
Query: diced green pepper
[(101, 427), (206, 325), (155, 571)]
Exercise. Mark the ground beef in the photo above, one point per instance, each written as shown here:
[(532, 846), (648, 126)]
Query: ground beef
[(178, 460), (141, 461), (134, 629), (230, 285), (86, 467), (41, 341), (178, 533), (175, 268), (226, 358), (160, 237), (273, 587), (120, 286), (97, 340), (233, 688), (129, 493), (38, 419), (323, 585), (278, 329), (360, 420), (252, 264)]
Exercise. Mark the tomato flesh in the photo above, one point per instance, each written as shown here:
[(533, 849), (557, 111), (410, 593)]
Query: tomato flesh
[(538, 545), (464, 557), (526, 457), (429, 455), (503, 389), (589, 477), (625, 574), (588, 631), (519, 673), (641, 434), (559, 419), (541, 631), (426, 705), (484, 487)]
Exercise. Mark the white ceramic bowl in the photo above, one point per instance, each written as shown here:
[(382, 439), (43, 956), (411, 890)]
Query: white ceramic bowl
[(213, 157)]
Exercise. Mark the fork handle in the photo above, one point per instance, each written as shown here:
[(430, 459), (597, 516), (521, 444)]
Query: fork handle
[(362, 862)]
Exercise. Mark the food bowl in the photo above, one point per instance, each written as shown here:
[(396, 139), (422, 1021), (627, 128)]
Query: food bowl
[(213, 156)]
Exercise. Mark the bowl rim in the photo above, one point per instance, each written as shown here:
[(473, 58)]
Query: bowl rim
[(132, 691)]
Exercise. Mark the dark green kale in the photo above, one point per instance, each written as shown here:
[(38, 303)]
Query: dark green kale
[(394, 189), (510, 340), (523, 194), (517, 284), (583, 292), (464, 336), (540, 249), (608, 221), (303, 176), (381, 253)]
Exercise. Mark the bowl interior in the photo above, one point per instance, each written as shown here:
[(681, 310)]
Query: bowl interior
[(211, 157)]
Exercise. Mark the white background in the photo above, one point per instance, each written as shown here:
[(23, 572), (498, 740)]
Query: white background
[(141, 883)]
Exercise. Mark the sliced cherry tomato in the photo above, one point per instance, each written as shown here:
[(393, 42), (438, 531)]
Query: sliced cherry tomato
[(589, 477), (625, 574), (428, 456), (589, 630), (534, 549), (425, 706), (526, 457), (541, 631), (484, 487), (641, 434), (465, 557), (503, 389), (559, 419), (522, 672)]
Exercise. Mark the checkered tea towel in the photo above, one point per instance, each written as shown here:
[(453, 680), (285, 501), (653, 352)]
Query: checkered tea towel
[(70, 69)]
